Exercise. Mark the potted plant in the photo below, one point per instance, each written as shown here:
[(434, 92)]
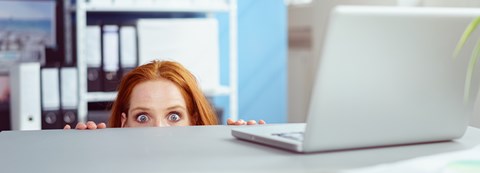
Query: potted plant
[(474, 56)]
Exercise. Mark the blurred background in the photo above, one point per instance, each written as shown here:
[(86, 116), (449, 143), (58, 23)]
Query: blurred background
[(61, 60)]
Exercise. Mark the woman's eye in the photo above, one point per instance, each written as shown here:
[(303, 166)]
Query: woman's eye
[(142, 118), (173, 117)]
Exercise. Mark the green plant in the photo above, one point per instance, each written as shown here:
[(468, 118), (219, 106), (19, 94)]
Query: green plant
[(474, 57)]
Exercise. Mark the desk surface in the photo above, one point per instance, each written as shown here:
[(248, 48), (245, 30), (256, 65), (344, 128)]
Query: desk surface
[(186, 149)]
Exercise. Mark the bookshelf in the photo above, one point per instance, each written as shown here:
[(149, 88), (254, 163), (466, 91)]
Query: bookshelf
[(82, 7)]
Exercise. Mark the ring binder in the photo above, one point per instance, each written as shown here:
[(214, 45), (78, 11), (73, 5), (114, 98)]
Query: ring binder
[(69, 95), (51, 114), (110, 47), (94, 59), (25, 96)]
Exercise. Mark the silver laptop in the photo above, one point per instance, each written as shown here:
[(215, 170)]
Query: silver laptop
[(386, 77)]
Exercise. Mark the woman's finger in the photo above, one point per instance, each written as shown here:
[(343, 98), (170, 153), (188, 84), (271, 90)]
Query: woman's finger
[(240, 122), (91, 125), (67, 127), (230, 122), (101, 126), (251, 122), (81, 126)]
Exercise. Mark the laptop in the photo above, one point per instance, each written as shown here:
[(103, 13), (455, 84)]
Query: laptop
[(386, 77)]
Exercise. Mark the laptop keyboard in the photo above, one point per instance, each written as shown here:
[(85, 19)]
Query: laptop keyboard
[(298, 136)]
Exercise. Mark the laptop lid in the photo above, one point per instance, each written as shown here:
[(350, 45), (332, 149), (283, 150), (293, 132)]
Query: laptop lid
[(387, 77)]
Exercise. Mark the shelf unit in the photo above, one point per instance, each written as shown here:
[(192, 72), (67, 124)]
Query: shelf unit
[(82, 7)]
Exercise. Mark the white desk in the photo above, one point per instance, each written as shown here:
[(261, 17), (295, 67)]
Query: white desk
[(185, 149)]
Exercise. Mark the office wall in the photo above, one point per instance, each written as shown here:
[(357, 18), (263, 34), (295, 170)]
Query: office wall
[(262, 66)]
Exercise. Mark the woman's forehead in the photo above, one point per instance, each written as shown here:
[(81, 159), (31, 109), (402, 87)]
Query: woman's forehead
[(155, 92)]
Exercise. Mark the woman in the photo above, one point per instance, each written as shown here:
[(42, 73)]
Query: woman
[(160, 93)]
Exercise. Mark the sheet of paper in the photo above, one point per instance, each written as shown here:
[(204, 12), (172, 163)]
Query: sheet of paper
[(465, 161), (192, 42)]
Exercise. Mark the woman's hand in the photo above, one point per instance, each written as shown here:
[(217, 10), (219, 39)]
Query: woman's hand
[(89, 126), (242, 122)]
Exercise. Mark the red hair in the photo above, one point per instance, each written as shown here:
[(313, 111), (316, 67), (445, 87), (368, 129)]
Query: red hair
[(200, 110)]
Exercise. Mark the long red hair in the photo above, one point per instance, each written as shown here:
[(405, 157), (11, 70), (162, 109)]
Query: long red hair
[(200, 110)]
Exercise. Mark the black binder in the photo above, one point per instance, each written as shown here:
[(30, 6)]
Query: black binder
[(69, 96), (51, 114), (94, 59), (110, 57)]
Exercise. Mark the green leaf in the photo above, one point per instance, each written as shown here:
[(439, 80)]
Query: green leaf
[(466, 34), (470, 70)]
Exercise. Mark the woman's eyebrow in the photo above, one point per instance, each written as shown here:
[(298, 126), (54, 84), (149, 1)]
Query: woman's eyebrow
[(140, 108), (176, 107)]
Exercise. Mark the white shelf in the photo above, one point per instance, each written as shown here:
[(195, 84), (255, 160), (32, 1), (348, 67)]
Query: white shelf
[(110, 96), (101, 96), (203, 6), (217, 91), (158, 5), (155, 8)]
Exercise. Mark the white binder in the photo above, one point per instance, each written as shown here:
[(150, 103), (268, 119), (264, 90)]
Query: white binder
[(110, 48), (50, 97), (93, 49), (69, 94), (94, 57), (25, 96), (111, 57)]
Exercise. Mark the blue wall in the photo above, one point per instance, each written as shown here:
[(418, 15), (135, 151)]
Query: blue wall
[(262, 60)]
